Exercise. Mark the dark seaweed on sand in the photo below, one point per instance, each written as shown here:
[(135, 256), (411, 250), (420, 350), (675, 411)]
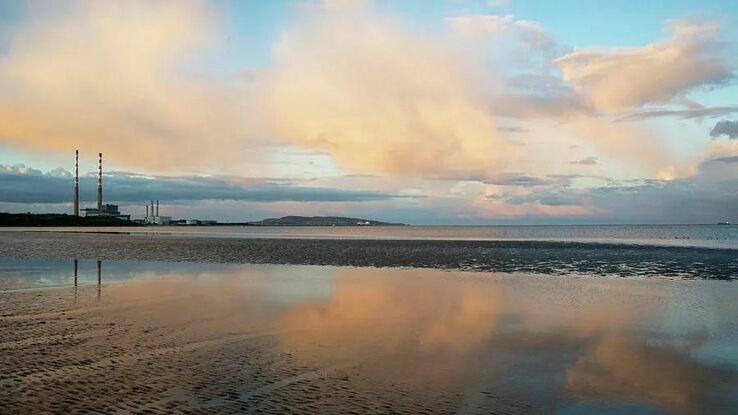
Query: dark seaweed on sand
[(542, 257)]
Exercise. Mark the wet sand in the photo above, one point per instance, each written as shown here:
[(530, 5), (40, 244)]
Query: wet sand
[(540, 257), (308, 339)]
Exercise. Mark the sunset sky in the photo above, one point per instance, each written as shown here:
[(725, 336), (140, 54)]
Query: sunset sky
[(425, 112)]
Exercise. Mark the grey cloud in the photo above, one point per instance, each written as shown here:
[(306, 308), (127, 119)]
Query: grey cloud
[(688, 113), (514, 179), (542, 84), (19, 169), (59, 172), (524, 180), (729, 128), (549, 198), (503, 179), (587, 161), (20, 184), (726, 159), (557, 193), (527, 106), (527, 32), (22, 169), (535, 96), (563, 178), (563, 200), (709, 196)]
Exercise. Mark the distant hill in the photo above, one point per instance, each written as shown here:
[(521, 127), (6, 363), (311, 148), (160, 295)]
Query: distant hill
[(51, 219), (321, 221)]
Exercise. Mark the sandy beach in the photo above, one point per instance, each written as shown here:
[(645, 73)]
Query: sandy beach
[(198, 338)]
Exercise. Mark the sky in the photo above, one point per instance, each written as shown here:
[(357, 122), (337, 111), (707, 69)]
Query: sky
[(423, 112)]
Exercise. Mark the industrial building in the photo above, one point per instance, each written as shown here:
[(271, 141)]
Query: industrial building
[(199, 222), (107, 210), (102, 210), (154, 218), (111, 211)]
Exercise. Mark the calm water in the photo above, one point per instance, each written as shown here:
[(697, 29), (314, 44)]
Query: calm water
[(717, 236), (174, 338)]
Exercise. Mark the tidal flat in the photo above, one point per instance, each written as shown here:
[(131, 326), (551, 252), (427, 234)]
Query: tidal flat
[(550, 257), (159, 337)]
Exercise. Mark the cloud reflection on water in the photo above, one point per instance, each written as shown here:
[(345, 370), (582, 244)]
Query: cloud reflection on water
[(477, 332), (551, 343)]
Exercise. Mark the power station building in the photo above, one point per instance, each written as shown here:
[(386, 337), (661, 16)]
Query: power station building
[(154, 218), (102, 210), (111, 211), (107, 210)]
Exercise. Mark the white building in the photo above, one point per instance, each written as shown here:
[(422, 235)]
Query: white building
[(152, 217), (158, 220)]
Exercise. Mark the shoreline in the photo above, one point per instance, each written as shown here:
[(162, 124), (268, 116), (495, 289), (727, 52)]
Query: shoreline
[(530, 256)]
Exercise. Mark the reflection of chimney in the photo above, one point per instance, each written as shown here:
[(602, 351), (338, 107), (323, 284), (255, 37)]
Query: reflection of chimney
[(99, 183), (76, 182), (99, 278), (157, 208)]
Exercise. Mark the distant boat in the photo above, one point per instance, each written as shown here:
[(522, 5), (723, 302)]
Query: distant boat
[(723, 223)]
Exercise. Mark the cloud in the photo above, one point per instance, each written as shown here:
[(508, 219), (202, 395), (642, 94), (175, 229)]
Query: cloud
[(483, 23), (513, 129), (516, 179), (22, 169), (20, 184), (563, 200), (121, 77), (708, 196), (19, 168), (614, 80), (729, 128), (132, 80), (726, 159), (684, 114), (528, 32), (381, 99), (587, 161), (128, 79), (532, 89)]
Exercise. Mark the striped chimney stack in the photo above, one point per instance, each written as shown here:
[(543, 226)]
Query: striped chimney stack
[(99, 183), (76, 183)]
